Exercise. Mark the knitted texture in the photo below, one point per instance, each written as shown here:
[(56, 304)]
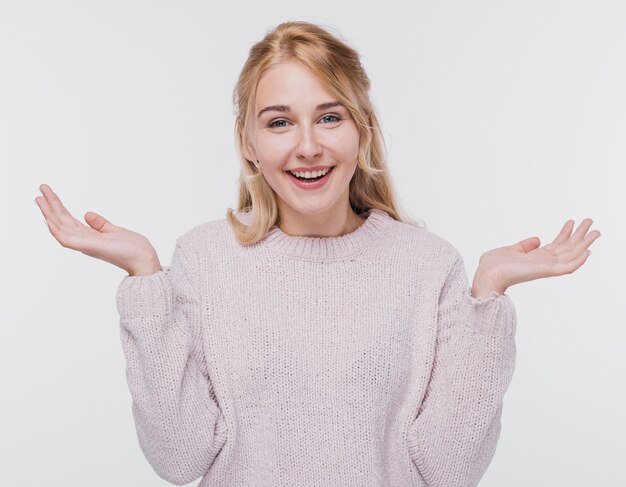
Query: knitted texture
[(358, 360)]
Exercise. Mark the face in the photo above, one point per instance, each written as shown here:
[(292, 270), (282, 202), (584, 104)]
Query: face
[(301, 128)]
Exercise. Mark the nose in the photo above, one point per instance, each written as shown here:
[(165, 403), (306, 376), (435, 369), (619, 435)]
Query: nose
[(308, 146)]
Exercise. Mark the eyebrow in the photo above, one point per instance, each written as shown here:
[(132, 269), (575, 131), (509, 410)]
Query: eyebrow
[(286, 108)]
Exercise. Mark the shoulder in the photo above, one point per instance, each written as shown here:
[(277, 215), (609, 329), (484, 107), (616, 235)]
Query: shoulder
[(420, 241), (209, 235)]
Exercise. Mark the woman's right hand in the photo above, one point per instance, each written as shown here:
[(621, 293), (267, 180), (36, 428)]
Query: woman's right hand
[(101, 239)]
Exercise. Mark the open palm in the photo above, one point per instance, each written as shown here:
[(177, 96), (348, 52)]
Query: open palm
[(100, 239), (526, 261)]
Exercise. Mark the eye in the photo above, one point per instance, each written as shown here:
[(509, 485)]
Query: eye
[(332, 116), (275, 122)]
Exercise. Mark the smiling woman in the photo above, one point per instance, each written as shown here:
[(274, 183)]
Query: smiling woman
[(314, 337), (302, 104), (309, 140), (322, 338)]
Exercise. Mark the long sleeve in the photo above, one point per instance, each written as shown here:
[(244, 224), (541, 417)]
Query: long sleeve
[(454, 436), (178, 423)]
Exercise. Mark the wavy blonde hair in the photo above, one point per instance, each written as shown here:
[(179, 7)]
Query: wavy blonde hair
[(341, 73)]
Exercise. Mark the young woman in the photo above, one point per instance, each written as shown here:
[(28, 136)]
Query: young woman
[(315, 336)]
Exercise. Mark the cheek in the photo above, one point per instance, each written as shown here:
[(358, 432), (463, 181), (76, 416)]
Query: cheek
[(349, 137), (274, 148), (347, 146)]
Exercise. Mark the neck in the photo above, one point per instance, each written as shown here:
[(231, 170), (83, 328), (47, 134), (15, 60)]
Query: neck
[(332, 223)]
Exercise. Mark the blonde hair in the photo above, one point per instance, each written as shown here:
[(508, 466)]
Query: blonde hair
[(341, 73)]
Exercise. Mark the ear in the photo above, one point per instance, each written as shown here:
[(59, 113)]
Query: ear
[(246, 145), (248, 150)]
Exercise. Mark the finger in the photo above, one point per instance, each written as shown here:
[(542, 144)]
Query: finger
[(573, 251), (49, 215), (565, 233), (98, 222), (584, 244), (528, 244), (52, 222), (56, 207), (63, 230), (562, 237), (582, 230)]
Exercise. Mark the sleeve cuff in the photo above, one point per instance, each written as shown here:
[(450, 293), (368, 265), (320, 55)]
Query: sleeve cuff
[(144, 295), (491, 315)]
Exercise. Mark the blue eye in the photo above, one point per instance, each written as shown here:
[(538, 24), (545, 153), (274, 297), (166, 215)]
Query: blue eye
[(332, 116), (273, 124)]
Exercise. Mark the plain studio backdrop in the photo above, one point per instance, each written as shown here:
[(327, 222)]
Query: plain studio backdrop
[(502, 120)]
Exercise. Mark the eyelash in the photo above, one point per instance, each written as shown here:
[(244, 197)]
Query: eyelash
[(281, 120)]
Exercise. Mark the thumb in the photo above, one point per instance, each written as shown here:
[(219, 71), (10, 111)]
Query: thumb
[(98, 222), (527, 244)]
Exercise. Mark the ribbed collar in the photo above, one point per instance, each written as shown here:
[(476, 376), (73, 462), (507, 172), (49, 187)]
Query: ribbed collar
[(328, 248)]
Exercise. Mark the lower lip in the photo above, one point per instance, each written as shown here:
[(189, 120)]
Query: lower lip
[(314, 184)]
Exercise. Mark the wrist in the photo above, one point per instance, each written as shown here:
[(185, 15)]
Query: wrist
[(149, 265), (485, 283)]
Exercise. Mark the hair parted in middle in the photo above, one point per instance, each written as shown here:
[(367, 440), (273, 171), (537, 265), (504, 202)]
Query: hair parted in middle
[(340, 71)]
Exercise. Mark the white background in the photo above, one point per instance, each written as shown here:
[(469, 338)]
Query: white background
[(502, 120)]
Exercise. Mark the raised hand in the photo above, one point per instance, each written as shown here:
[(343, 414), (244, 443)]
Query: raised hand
[(524, 261), (99, 239)]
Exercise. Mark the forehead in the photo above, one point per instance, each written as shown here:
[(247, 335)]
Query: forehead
[(290, 83)]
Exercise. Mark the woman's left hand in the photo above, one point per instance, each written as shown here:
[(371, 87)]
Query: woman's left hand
[(500, 268)]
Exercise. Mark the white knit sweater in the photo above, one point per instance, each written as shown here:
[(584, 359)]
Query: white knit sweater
[(359, 360)]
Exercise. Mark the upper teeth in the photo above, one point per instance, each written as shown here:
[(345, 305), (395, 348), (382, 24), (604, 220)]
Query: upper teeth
[(309, 174)]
